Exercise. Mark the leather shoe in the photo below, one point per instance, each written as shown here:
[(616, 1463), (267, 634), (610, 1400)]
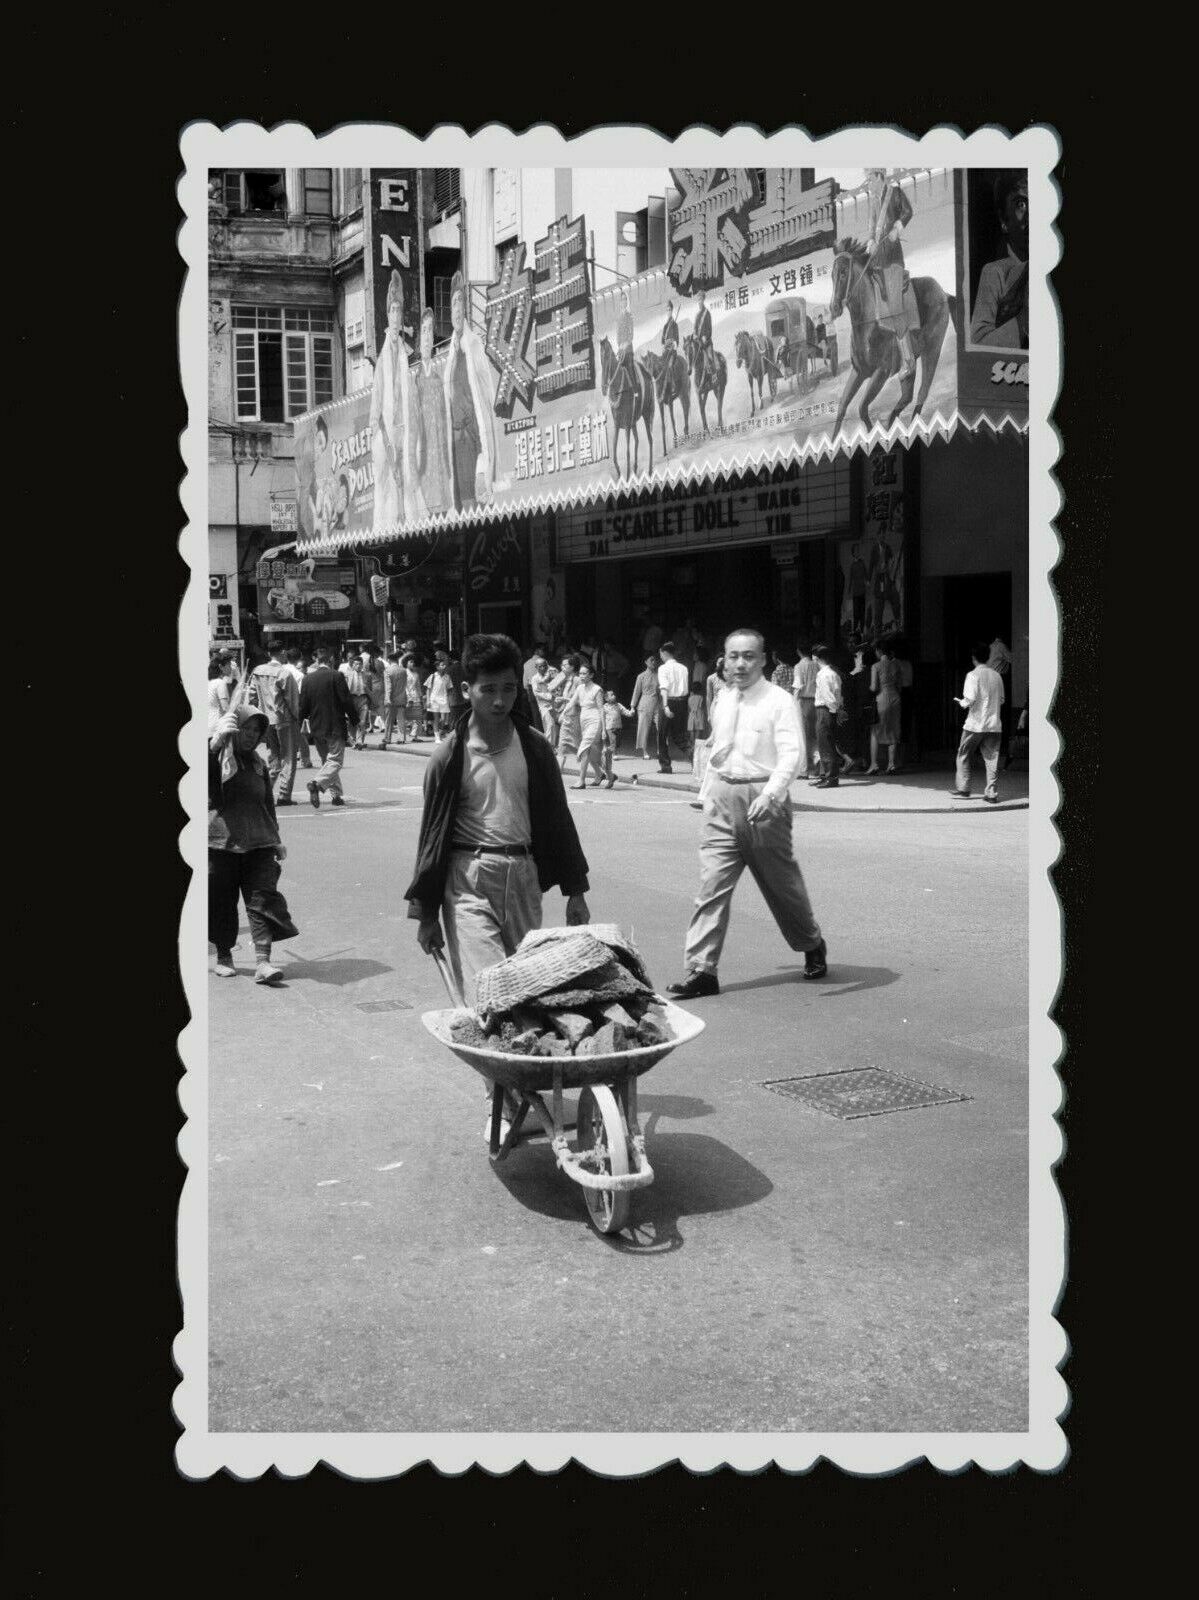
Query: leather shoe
[(314, 795), (827, 783), (694, 985), (816, 961)]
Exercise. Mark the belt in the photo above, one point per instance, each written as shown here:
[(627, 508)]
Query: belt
[(495, 849), (723, 779)]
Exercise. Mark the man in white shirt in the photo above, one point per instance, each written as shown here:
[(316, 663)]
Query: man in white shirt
[(805, 697), (747, 804), (981, 699), (827, 701), (671, 712)]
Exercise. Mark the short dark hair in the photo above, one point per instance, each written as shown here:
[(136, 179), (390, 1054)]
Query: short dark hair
[(980, 651), (821, 652), (393, 655), (490, 652), (1006, 185), (576, 661), (753, 633), (293, 655), (668, 644), (804, 648)]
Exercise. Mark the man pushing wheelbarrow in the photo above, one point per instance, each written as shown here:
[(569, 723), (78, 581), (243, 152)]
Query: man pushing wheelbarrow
[(496, 832)]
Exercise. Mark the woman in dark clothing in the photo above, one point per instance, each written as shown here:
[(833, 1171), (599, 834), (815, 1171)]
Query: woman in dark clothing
[(244, 848)]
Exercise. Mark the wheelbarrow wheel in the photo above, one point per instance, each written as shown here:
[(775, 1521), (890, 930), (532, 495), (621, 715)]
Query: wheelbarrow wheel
[(602, 1128)]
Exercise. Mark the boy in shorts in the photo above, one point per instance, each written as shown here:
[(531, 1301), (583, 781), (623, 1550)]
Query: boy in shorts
[(496, 831)]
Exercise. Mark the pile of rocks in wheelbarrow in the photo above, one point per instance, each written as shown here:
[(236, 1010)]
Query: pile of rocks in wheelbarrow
[(566, 991)]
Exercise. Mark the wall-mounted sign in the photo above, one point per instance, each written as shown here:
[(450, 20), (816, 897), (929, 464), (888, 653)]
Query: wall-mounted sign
[(993, 358), (804, 506), (283, 515), (391, 243), (300, 592), (792, 319)]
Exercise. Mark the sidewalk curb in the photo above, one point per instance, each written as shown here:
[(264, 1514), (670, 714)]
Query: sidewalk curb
[(689, 786)]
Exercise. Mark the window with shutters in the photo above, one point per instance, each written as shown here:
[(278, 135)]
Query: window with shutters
[(446, 187), (255, 191), (282, 361)]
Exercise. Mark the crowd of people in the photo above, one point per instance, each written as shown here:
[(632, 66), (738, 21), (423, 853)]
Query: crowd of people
[(749, 721)]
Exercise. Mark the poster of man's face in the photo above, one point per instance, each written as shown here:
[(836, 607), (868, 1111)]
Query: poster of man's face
[(996, 244)]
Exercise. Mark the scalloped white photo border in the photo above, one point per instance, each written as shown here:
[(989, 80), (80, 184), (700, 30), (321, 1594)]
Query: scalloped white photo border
[(200, 1453)]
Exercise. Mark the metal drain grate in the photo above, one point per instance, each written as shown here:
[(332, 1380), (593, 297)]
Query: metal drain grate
[(382, 1005), (863, 1092)]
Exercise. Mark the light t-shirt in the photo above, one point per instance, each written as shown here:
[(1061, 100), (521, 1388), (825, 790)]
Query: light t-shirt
[(493, 797), (983, 692)]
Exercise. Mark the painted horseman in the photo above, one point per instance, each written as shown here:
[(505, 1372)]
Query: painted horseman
[(703, 337), (670, 334), (624, 342), (890, 213)]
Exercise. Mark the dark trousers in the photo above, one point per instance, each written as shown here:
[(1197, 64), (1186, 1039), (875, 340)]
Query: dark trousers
[(676, 725), (826, 722), (254, 875)]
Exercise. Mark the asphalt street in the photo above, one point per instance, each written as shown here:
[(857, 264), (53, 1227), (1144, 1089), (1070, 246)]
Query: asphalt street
[(370, 1270)]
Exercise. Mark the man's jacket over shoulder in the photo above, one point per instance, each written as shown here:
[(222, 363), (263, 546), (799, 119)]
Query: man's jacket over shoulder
[(556, 850)]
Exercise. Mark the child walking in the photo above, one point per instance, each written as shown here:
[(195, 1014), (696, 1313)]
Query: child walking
[(244, 848), (496, 832), (613, 714)]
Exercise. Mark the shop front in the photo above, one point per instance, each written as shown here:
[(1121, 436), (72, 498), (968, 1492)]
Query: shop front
[(757, 550)]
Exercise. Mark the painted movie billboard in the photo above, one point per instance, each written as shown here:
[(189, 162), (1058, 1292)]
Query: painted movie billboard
[(791, 317)]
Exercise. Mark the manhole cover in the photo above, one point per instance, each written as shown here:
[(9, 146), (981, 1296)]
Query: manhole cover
[(382, 1005), (863, 1092)]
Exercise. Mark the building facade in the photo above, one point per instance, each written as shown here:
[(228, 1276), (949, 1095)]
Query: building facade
[(927, 538)]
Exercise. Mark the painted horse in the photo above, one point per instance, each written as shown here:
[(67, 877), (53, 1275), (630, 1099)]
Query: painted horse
[(710, 372), (672, 381), (631, 400), (874, 350), (753, 353)]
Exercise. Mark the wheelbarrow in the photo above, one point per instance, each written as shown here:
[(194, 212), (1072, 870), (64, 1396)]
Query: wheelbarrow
[(609, 1159)]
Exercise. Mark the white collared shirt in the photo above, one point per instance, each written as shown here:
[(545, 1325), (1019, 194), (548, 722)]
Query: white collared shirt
[(673, 680), (828, 688), (755, 734)]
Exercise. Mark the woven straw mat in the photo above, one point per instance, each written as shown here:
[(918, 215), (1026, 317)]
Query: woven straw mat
[(538, 971), (607, 932)]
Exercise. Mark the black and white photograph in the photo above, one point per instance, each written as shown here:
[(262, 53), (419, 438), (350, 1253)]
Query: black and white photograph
[(621, 962)]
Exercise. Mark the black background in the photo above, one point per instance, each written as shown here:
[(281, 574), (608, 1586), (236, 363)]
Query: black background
[(91, 1490)]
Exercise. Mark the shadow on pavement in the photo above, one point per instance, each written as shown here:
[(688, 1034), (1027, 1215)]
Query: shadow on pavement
[(694, 1174), (678, 1107), (350, 969), (841, 980)]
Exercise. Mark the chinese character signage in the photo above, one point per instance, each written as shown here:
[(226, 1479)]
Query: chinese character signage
[(293, 595), (993, 293), (869, 577), (795, 314)]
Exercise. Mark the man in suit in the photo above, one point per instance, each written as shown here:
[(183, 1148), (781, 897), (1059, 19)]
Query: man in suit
[(890, 213), (703, 335), (327, 707)]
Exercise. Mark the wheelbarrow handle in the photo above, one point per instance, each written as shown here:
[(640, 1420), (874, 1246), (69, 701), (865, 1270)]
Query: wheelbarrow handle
[(447, 977)]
